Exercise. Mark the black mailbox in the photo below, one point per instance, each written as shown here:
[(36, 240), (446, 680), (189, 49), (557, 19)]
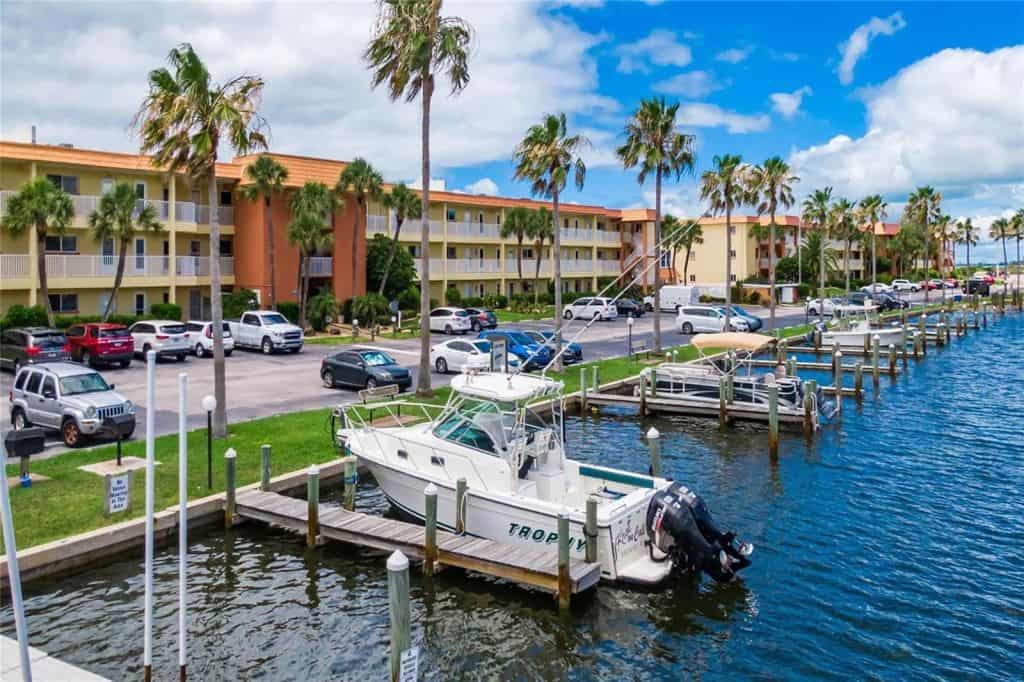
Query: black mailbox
[(25, 443), (120, 425)]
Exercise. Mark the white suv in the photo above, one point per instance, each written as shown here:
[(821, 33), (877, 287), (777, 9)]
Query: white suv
[(589, 308), (904, 285), (705, 318), (200, 338), (166, 337), (450, 320)]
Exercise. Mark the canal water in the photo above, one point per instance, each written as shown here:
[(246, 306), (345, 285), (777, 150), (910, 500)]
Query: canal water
[(890, 547)]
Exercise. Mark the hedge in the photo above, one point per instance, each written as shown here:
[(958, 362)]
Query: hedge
[(165, 311)]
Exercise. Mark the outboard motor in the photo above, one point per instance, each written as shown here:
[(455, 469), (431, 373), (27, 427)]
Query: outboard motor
[(680, 526)]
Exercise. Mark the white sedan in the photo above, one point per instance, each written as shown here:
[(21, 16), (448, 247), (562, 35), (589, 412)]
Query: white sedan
[(814, 306), (877, 288), (457, 355)]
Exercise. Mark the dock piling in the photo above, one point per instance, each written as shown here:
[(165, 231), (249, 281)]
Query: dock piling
[(773, 420), (809, 397), (791, 367), (892, 360), (595, 379), (583, 389), (564, 583), (313, 500), (265, 468), (875, 343), (348, 500), (591, 530), (858, 380), (229, 488), (643, 394), (654, 448), (460, 505), (398, 607), (723, 397), (430, 531), (837, 373)]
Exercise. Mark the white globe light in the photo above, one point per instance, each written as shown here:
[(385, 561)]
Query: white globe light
[(209, 403)]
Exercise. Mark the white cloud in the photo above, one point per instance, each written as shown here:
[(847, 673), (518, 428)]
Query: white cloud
[(920, 130), (856, 46), (438, 184), (788, 103), (681, 199), (734, 55), (483, 186), (79, 75), (703, 115), (659, 48), (692, 84)]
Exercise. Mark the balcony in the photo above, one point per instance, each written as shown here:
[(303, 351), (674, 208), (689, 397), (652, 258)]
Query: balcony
[(184, 211), (320, 266), (225, 215), (608, 267), (435, 267), (14, 266), (59, 266), (462, 266), (199, 266), (471, 230), (573, 266), (608, 237), (577, 235), (529, 267), (376, 224)]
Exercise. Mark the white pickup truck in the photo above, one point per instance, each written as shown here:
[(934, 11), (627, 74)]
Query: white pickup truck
[(267, 330)]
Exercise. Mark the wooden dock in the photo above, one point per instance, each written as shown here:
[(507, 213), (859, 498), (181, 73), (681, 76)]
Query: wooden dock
[(698, 408), (525, 566), (821, 366)]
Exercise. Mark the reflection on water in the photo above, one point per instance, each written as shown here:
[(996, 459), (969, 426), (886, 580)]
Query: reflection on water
[(891, 545)]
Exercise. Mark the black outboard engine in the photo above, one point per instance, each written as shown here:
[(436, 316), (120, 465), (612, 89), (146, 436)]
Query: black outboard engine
[(680, 527)]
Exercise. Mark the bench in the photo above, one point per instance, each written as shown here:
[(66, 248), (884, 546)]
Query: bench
[(377, 392), (638, 347)]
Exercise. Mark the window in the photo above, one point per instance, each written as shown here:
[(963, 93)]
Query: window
[(33, 382), (414, 251), (49, 387), (61, 244), (732, 253), (106, 184), (527, 253), (140, 190), (140, 253), (76, 330), (450, 214), (732, 229), (227, 247), (140, 303), (451, 252), (461, 346), (167, 297), (666, 258), (64, 303), (693, 278), (600, 225), (565, 223), (68, 183), (20, 382), (576, 223), (225, 197), (732, 278)]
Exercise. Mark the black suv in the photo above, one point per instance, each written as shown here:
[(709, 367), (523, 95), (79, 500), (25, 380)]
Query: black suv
[(29, 345), (363, 368), (627, 306)]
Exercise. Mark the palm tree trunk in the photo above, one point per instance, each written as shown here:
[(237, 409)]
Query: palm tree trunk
[(1006, 263), (220, 415), (927, 260), (423, 377), (771, 269), (118, 275), (728, 271), (821, 276), (846, 266), (44, 286), (519, 257), (1018, 259), (686, 265), (799, 263), (558, 279), (657, 260), (305, 291), (536, 273), (269, 220), (391, 257), (874, 259)]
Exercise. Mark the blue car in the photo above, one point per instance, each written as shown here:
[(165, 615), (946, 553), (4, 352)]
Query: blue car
[(573, 353), (529, 352), (753, 321)]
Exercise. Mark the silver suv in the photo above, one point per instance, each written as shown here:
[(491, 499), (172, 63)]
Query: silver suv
[(69, 398)]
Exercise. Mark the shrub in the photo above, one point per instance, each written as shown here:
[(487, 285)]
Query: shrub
[(754, 298), (545, 298), (65, 321), (371, 310), (165, 311), (452, 296), (409, 299), (433, 303), (321, 310), (473, 302), (24, 316), (803, 290), (237, 302), (500, 301), (289, 309)]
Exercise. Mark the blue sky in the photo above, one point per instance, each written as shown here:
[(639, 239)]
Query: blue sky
[(865, 97)]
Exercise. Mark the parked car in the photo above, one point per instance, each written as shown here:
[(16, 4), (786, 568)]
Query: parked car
[(166, 337), (589, 308), (978, 286), (31, 345), (984, 275), (905, 285), (706, 318), (482, 318), (457, 355), (929, 284), (753, 321), (572, 354), (815, 305), (889, 301), (363, 368), (627, 306), (673, 297), (267, 330), (877, 288), (450, 321), (67, 397), (101, 343), (530, 354), (200, 338)]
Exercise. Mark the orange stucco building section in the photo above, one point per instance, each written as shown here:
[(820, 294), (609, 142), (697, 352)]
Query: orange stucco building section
[(252, 259)]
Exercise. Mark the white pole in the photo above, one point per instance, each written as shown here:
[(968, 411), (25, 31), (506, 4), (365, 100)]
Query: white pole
[(147, 656), (182, 516), (12, 570)]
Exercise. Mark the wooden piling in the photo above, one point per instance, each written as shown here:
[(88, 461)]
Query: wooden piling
[(460, 505), (265, 468), (643, 394), (892, 360), (590, 530), (583, 389), (398, 608), (430, 532), (917, 345), (858, 379), (348, 500), (773, 420), (875, 342), (723, 399), (229, 490), (595, 381), (791, 367), (837, 380), (816, 335), (809, 391), (313, 502), (654, 448), (564, 583)]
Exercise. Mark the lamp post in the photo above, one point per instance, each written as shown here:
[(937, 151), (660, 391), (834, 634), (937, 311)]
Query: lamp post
[(394, 327), (209, 404), (629, 336)]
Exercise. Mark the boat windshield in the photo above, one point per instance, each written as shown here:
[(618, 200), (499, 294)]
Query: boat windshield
[(487, 426)]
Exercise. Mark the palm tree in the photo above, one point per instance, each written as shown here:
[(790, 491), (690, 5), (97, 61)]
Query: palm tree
[(364, 181), (405, 204), (772, 187), (690, 234), (1001, 230), (907, 244), (923, 205), (844, 228), (118, 217), (545, 158), (517, 223), (816, 210), (411, 42), (181, 121), (266, 178), (819, 255), (726, 187), (540, 230), (41, 205), (944, 231), (311, 207), (967, 235), (1017, 224), (870, 212), (655, 145)]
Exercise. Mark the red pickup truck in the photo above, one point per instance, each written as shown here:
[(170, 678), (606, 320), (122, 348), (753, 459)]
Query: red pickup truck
[(95, 343)]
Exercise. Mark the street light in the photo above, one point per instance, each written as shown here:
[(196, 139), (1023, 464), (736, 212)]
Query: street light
[(629, 336), (209, 404)]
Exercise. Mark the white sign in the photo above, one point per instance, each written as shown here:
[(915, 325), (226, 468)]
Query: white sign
[(409, 665), (119, 492), (499, 355)]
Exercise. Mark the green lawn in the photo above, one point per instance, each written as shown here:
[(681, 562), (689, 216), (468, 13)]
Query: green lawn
[(364, 337), (543, 313)]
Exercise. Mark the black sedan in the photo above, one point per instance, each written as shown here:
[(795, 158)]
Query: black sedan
[(627, 306), (363, 369)]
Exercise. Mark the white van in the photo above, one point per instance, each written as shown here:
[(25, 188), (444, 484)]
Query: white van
[(674, 296)]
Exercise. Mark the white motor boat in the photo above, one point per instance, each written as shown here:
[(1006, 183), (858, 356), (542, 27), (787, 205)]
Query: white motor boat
[(861, 335), (519, 480)]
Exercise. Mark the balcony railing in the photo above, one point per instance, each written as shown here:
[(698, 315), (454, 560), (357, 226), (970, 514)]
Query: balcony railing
[(14, 265), (577, 235), (60, 266), (225, 215), (320, 266), (199, 266), (529, 267), (376, 224), (474, 230), (608, 267), (473, 265), (571, 265), (184, 211), (435, 267), (608, 237)]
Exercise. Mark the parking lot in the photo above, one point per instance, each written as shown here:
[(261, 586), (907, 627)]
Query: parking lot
[(260, 385)]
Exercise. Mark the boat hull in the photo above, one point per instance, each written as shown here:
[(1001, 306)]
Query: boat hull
[(858, 338)]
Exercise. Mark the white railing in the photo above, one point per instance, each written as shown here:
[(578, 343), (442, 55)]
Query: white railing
[(225, 215), (474, 229), (529, 267), (608, 267), (185, 212), (5, 196), (84, 205), (571, 265), (435, 267), (162, 208), (58, 266), (199, 266), (377, 224), (14, 265), (608, 236), (473, 265), (577, 235), (320, 266)]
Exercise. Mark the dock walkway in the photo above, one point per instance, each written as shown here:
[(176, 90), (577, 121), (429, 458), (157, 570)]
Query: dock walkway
[(524, 566), (694, 406), (45, 668)]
